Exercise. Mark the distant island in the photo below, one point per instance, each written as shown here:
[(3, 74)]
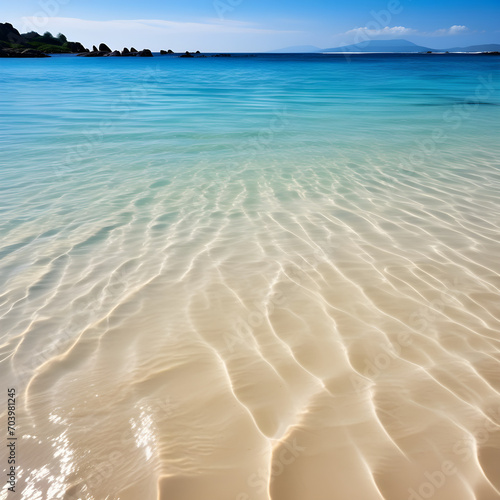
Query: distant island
[(389, 46)]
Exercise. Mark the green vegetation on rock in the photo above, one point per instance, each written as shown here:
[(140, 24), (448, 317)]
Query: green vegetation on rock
[(47, 43)]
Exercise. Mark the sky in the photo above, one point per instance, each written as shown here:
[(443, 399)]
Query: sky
[(258, 25)]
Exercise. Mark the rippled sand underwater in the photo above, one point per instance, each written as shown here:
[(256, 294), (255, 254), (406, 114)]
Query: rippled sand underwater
[(260, 306)]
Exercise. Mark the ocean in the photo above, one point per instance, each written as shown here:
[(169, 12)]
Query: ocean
[(256, 277)]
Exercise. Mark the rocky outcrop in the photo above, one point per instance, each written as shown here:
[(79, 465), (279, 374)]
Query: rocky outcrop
[(165, 52), (99, 53), (116, 53), (128, 53), (94, 53), (10, 38), (32, 44), (9, 34), (76, 47), (187, 54), (21, 53)]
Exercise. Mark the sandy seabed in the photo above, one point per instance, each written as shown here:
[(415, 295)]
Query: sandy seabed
[(335, 339)]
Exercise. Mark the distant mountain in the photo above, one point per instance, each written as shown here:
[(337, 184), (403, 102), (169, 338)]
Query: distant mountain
[(487, 47), (397, 45), (297, 49)]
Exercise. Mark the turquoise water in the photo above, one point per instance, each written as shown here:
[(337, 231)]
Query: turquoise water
[(77, 130), (279, 216), (167, 116)]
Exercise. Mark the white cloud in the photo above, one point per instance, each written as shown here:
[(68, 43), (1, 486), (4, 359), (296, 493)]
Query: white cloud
[(453, 30), (397, 31), (458, 29), (386, 31), (156, 34)]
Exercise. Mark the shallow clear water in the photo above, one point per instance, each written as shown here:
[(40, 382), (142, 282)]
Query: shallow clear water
[(252, 277)]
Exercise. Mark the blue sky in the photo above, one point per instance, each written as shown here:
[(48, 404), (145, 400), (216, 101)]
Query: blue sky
[(259, 25)]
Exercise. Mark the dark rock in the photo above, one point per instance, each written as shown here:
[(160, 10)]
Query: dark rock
[(145, 53), (94, 53), (187, 54), (21, 53), (170, 51), (133, 50), (94, 48), (10, 35), (115, 53), (197, 52), (494, 53), (76, 47), (221, 55), (163, 52), (31, 53), (104, 48), (128, 53)]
